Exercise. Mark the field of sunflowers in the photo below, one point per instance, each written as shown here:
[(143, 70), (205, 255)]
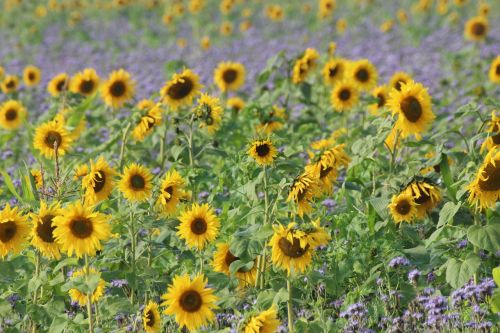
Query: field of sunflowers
[(249, 166)]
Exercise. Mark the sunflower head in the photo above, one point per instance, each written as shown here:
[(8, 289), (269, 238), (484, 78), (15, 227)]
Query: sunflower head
[(425, 194), (98, 182), (229, 76), (223, 258), (181, 89), (381, 93), (136, 183), (31, 76), (12, 114), (363, 74), (333, 71), (149, 121), (80, 297), (344, 96), (476, 29), (58, 84), (118, 89), (9, 84), (403, 208), (52, 136), (494, 72), (398, 79), (198, 226), (290, 249), (326, 8), (235, 104), (151, 319), (42, 231), (171, 192), (14, 230), (209, 113), (263, 151), (484, 190), (304, 188), (85, 82), (494, 129), (271, 120), (266, 321), (226, 28)]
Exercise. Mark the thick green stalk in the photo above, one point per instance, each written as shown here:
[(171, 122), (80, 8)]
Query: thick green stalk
[(89, 296)]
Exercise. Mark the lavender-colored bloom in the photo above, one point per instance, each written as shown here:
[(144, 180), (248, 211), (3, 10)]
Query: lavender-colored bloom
[(462, 244), (431, 277), (399, 261), (413, 275), (119, 283), (203, 195), (13, 298)]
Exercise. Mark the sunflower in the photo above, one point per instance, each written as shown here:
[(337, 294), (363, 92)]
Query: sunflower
[(484, 190), (147, 123), (85, 83), (226, 28), (326, 8), (290, 250), (303, 190), (181, 89), (80, 171), (494, 129), (363, 74), (59, 84), (403, 207), (300, 71), (190, 301), (98, 182), (326, 165), (136, 183), (209, 111), (13, 231), (381, 93), (344, 96), (265, 322), (235, 103), (2, 72), (205, 43), (476, 28), (77, 130), (42, 232), (172, 191), (80, 297), (398, 79), (271, 121), (31, 76), (425, 194), (9, 84), (12, 114), (263, 151), (494, 72), (198, 226), (118, 89), (317, 235), (413, 106), (151, 318), (341, 26), (223, 258), (483, 9), (402, 16), (333, 71), (37, 177), (80, 230), (229, 76), (51, 134)]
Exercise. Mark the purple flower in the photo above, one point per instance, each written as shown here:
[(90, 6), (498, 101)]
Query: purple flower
[(399, 261), (463, 243), (119, 283), (413, 275)]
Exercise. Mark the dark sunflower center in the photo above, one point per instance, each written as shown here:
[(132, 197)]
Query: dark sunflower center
[(324, 172), (381, 100), (7, 231), (497, 70), (150, 318), (87, 86), (478, 29), (230, 75), (332, 72), (496, 139), (45, 229), (99, 181), (117, 89), (262, 150), (199, 226), (492, 175), (362, 75), (181, 89), (230, 258), (398, 84), (301, 195), (81, 227), (31, 76), (61, 85), (53, 137), (169, 190), (11, 84), (403, 207), (137, 182), (191, 301), (345, 94), (292, 250), (422, 199), (411, 108), (11, 114)]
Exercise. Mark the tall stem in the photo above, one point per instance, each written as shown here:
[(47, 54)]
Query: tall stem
[(37, 272), (89, 296), (132, 259), (266, 221), (477, 222), (289, 305), (201, 261), (122, 147)]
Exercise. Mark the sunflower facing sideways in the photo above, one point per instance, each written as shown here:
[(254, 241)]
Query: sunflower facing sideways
[(263, 151), (151, 320), (85, 82), (476, 28), (171, 193), (325, 166), (148, 122), (12, 114), (235, 104), (181, 89), (413, 106), (223, 258), (198, 226), (425, 194), (136, 183), (31, 76), (42, 232), (290, 250), (304, 65), (209, 113), (265, 322), (98, 182), (381, 93), (363, 74), (50, 135), (229, 76), (118, 89), (484, 190), (494, 129), (80, 230), (58, 84), (403, 208), (14, 230), (191, 302), (9, 84), (303, 190), (344, 96), (80, 297), (494, 72), (398, 79), (333, 71)]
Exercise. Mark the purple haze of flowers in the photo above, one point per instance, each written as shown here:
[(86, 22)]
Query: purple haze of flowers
[(399, 261)]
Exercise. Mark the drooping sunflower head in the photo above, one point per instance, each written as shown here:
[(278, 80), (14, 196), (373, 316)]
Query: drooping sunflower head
[(98, 182), (14, 230), (42, 231), (334, 70), (223, 258), (403, 207), (209, 113), (303, 190), (31, 76), (398, 79), (425, 194), (235, 104), (198, 226), (171, 192), (85, 83), (290, 249), (494, 72), (484, 190), (263, 151), (191, 302), (58, 84), (52, 136), (229, 76), (494, 129), (324, 167), (12, 114), (476, 28), (136, 183), (80, 230), (363, 74), (181, 89), (80, 297), (118, 89), (148, 122), (265, 322), (344, 96), (9, 84), (151, 320)]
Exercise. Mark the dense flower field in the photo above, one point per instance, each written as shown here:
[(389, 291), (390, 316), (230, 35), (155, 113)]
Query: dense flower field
[(249, 166)]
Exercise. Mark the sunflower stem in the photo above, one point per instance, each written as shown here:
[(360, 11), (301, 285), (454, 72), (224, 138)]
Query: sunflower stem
[(477, 222), (394, 152), (201, 261), (289, 305), (266, 221), (89, 296), (132, 259), (37, 272), (122, 147)]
